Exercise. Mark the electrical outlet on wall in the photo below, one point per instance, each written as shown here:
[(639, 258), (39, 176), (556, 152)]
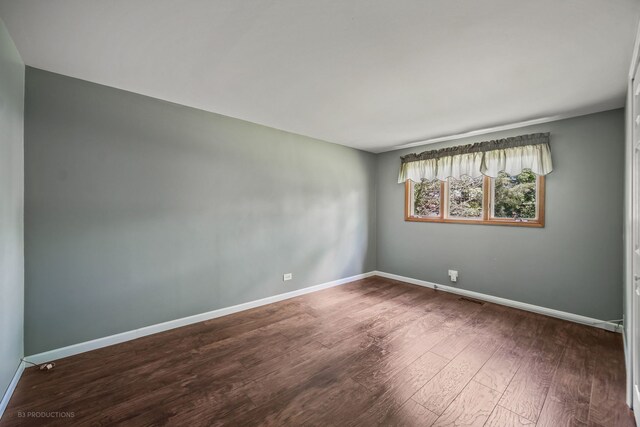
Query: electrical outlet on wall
[(453, 275), (287, 276)]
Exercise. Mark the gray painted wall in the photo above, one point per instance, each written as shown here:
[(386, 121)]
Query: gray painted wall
[(11, 208), (140, 211), (574, 264)]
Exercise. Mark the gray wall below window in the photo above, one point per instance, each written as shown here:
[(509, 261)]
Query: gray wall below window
[(139, 211), (11, 208), (574, 264)]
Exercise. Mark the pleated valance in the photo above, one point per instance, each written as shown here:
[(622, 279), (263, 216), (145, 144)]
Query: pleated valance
[(489, 158)]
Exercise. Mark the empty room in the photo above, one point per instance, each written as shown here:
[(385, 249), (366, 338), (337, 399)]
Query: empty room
[(320, 213)]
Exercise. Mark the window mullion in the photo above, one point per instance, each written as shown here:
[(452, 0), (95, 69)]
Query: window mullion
[(444, 196), (485, 198)]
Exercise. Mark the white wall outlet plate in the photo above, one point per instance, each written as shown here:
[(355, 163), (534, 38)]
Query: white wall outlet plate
[(287, 276), (453, 275)]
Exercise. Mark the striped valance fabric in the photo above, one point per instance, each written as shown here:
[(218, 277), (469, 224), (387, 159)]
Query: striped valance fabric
[(510, 155)]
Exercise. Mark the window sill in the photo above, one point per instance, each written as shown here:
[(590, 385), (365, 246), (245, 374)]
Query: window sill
[(532, 223)]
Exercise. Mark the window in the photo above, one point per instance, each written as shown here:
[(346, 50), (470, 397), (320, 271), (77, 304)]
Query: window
[(427, 196), (464, 184), (514, 197), (505, 200), (465, 197)]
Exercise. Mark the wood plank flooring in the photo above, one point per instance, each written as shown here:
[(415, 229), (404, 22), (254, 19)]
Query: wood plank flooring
[(372, 352)]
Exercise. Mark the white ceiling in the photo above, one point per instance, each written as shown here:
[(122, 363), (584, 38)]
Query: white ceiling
[(370, 74)]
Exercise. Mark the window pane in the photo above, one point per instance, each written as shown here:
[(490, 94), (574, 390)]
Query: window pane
[(426, 198), (465, 197), (515, 196)]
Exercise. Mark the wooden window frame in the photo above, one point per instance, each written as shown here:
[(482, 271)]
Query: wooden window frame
[(487, 207)]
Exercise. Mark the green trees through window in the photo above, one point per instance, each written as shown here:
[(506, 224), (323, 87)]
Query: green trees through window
[(426, 196), (465, 197), (515, 196)]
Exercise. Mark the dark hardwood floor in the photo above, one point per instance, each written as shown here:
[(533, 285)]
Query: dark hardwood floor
[(372, 352)]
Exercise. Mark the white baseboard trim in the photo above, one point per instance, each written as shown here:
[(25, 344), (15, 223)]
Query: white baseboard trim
[(509, 303), (74, 349), (12, 386)]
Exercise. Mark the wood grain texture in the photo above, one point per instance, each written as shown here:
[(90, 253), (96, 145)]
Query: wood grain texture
[(501, 417), (528, 389), (471, 407), (372, 352), (501, 367), (409, 414), (443, 388), (569, 395), (394, 393), (607, 404)]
